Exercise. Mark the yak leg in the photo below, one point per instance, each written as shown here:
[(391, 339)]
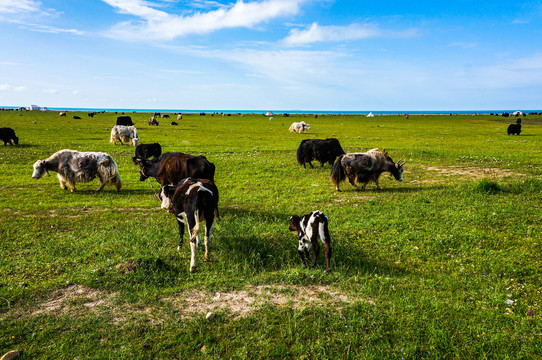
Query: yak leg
[(376, 182), (303, 253), (180, 223), (118, 182), (209, 218), (352, 181), (327, 251), (193, 228), (62, 181), (315, 251)]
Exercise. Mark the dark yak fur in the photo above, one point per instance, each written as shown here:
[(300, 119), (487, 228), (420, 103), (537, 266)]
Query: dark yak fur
[(125, 120), (8, 136), (318, 149), (514, 129), (172, 167), (364, 167), (145, 151)]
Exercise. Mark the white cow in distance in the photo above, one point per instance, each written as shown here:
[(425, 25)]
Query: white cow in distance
[(299, 127), (124, 134)]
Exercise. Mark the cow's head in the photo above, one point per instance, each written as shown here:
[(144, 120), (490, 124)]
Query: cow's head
[(294, 223), (40, 169), (398, 171), (134, 141), (15, 140), (166, 193)]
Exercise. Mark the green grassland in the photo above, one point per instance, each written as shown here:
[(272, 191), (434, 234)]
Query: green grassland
[(444, 265)]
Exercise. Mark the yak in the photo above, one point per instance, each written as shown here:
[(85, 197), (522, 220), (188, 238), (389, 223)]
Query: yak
[(73, 166), (322, 150), (190, 201), (172, 167), (364, 167)]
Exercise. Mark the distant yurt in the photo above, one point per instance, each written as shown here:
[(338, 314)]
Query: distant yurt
[(33, 107), (370, 114), (518, 113), (269, 113)]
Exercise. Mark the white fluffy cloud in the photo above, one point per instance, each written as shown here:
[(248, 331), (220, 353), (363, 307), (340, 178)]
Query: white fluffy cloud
[(159, 25), (317, 33), (18, 6)]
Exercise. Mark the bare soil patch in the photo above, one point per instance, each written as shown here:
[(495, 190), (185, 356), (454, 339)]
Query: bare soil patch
[(76, 301), (474, 172)]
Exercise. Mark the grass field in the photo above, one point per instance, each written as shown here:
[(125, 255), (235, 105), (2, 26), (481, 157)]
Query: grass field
[(444, 265)]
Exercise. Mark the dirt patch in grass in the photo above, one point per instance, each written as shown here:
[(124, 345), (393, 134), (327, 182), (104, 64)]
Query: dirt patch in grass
[(72, 299), (474, 172), (77, 301), (243, 302)]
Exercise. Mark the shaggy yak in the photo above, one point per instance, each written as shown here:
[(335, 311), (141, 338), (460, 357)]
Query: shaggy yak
[(364, 167), (72, 167)]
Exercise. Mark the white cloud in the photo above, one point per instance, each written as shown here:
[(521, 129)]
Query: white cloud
[(51, 91), (18, 6), (464, 45), (4, 87), (317, 33), (50, 29), (159, 25), (19, 88)]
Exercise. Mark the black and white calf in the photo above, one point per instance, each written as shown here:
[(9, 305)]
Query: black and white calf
[(191, 201), (309, 228)]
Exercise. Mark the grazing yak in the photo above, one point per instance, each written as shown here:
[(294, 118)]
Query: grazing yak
[(172, 167), (191, 201), (364, 167), (62, 114), (125, 120), (152, 121), (7, 135), (124, 134), (72, 167), (76, 117), (322, 150), (145, 151), (514, 129), (299, 127), (309, 228)]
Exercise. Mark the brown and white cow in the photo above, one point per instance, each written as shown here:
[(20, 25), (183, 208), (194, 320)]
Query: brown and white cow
[(309, 228), (172, 167), (364, 167), (191, 201)]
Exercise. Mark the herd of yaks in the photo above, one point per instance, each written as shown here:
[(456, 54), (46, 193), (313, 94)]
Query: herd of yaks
[(194, 197)]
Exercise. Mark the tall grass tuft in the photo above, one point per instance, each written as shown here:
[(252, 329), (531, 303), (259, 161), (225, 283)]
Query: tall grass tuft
[(488, 187)]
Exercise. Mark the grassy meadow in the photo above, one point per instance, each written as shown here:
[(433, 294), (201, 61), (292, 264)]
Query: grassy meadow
[(443, 265)]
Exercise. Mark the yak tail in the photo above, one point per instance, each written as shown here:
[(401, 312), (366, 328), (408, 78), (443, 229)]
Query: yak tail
[(337, 171)]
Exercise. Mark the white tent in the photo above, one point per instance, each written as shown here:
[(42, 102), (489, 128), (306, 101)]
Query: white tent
[(517, 113), (370, 114), (33, 107), (269, 113)]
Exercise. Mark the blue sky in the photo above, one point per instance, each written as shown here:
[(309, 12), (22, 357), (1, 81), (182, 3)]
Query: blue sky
[(272, 54)]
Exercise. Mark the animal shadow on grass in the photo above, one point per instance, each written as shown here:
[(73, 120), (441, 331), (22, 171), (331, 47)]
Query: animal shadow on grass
[(398, 189), (273, 251), (135, 272)]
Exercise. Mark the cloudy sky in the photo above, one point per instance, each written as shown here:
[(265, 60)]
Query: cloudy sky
[(346, 55)]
